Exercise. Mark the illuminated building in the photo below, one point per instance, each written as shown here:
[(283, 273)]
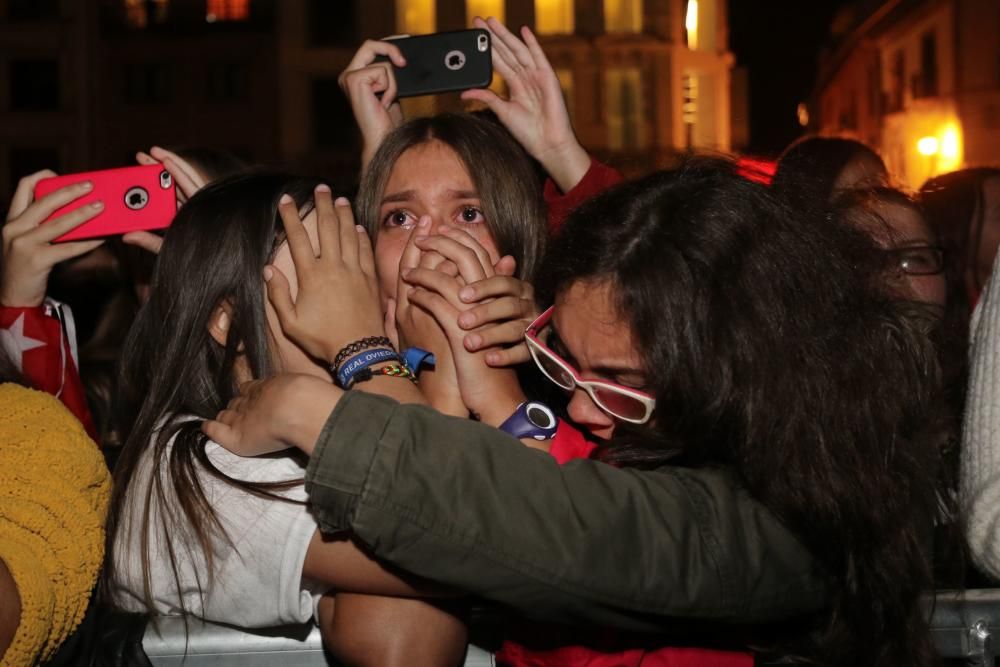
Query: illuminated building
[(919, 81), (641, 80)]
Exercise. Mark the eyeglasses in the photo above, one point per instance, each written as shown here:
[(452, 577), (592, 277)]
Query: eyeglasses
[(617, 400), (918, 260)]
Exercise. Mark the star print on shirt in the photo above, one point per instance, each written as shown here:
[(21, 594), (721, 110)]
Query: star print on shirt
[(16, 343)]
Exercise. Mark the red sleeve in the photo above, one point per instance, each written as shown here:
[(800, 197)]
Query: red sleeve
[(598, 178), (40, 347), (569, 444)]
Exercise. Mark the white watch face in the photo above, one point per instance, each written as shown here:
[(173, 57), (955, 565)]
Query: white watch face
[(540, 415)]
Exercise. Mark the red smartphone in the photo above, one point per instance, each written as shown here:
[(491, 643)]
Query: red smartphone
[(135, 199)]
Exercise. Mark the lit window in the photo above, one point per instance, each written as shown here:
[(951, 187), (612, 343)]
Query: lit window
[(485, 9), (415, 17), (137, 12), (623, 15), (624, 109), (691, 24), (553, 17), (700, 24), (227, 10)]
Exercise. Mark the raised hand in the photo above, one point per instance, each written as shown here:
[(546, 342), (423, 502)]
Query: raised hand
[(417, 328), (363, 82), (28, 252), (490, 393), (536, 111), (187, 180), (502, 307), (337, 301)]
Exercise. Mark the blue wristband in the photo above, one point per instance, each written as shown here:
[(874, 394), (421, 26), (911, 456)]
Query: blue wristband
[(366, 359), (415, 357)]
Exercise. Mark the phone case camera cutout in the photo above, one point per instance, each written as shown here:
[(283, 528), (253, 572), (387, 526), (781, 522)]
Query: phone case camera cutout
[(135, 199)]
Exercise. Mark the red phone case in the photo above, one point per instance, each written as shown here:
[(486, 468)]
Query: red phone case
[(135, 199)]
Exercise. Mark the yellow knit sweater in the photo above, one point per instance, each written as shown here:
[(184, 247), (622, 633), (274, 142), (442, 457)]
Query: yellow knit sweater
[(54, 491)]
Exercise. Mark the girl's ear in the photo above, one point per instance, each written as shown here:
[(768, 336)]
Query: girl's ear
[(218, 324)]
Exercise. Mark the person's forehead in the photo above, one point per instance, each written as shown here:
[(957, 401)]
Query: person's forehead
[(432, 165), (587, 320)]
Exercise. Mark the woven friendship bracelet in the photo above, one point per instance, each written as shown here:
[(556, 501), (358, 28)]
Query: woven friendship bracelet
[(392, 370), (362, 361), (357, 346)]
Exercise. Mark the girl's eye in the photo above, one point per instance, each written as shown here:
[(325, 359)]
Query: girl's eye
[(399, 218), (471, 215)]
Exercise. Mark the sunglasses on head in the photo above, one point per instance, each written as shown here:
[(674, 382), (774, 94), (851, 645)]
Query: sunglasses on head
[(617, 400)]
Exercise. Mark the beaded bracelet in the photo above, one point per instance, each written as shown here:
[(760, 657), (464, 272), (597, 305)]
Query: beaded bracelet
[(392, 370), (358, 363), (357, 346)]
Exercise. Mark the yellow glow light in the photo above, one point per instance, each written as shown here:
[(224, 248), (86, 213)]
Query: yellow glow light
[(803, 113), (949, 144), (691, 23), (927, 146)]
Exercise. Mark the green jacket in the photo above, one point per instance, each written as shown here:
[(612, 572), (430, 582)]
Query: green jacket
[(467, 505)]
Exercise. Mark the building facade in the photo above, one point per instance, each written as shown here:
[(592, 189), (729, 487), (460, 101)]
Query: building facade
[(641, 79), (83, 85), (920, 81)]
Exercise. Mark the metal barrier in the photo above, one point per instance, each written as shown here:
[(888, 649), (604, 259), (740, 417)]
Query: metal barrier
[(223, 646), (963, 624)]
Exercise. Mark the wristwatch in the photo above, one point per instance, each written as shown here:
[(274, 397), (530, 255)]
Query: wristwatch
[(532, 420)]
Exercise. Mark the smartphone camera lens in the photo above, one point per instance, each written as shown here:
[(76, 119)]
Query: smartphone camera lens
[(165, 180), (483, 43)]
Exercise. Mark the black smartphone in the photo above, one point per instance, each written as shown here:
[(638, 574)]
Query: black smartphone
[(443, 62)]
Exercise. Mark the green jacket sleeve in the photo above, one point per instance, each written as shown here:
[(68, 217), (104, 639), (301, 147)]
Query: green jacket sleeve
[(466, 505)]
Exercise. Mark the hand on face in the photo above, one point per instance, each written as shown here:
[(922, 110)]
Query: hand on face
[(28, 252), (536, 111), (490, 393), (337, 301), (286, 410), (363, 81)]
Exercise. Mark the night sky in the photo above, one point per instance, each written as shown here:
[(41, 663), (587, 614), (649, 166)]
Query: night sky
[(779, 42)]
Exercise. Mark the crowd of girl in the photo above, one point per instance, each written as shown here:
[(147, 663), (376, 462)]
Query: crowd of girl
[(630, 413)]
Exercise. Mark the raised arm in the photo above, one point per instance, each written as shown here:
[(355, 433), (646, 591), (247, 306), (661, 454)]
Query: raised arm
[(464, 504)]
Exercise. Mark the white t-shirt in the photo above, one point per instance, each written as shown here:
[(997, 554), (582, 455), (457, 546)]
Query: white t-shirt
[(257, 581)]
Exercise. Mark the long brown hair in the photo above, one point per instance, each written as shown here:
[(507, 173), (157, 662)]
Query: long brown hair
[(173, 370), (504, 176)]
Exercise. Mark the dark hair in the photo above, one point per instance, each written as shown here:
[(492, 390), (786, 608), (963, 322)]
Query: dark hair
[(956, 209), (502, 172), (771, 347), (860, 207), (808, 170), (133, 267), (171, 367)]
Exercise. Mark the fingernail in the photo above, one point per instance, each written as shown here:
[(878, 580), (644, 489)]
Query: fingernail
[(360, 229), (285, 199), (322, 187), (87, 185), (98, 205), (493, 358), (467, 294), (342, 201), (475, 341), (467, 320), (268, 273)]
